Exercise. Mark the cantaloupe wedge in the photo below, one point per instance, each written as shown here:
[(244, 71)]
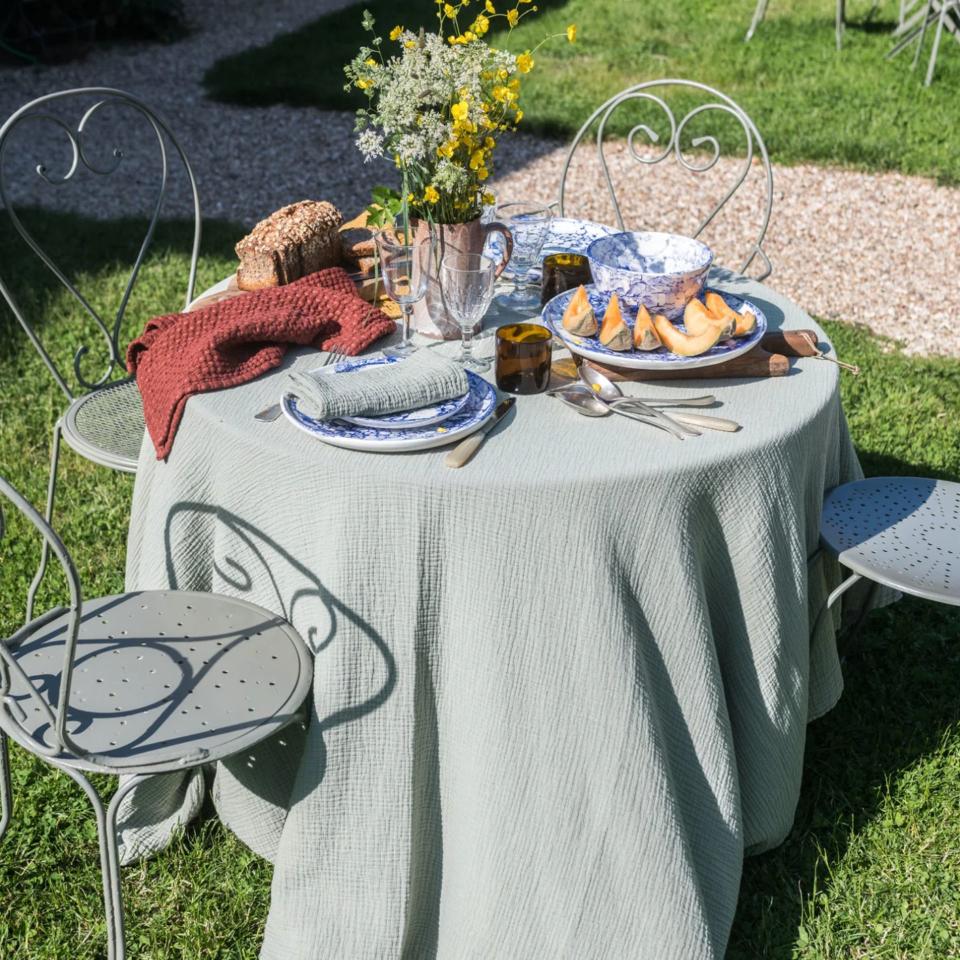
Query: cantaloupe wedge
[(614, 333), (579, 317), (697, 318), (682, 344), (644, 336), (741, 323)]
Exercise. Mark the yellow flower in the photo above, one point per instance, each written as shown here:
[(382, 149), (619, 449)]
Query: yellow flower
[(469, 36), (459, 110), (489, 143), (410, 44), (524, 62), (364, 84), (572, 33), (518, 117), (488, 198), (448, 11), (490, 8), (482, 173), (370, 62), (502, 74), (481, 25), (395, 32), (430, 194), (476, 160), (513, 17)]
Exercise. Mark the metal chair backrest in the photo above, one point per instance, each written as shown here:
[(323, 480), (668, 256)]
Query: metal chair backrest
[(714, 101), (56, 718), (34, 112)]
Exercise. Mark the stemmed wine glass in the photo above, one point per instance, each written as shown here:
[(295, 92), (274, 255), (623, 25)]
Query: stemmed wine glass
[(529, 223), (467, 281), (405, 266)]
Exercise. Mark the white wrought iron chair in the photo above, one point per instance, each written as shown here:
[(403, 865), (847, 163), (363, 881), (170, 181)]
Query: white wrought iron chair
[(140, 684), (671, 143), (840, 18), (898, 532), (103, 421), (916, 16)]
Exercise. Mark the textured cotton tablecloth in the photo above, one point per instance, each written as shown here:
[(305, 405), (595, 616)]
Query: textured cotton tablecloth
[(558, 692)]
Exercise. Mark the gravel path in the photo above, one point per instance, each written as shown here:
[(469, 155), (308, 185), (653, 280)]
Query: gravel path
[(879, 250)]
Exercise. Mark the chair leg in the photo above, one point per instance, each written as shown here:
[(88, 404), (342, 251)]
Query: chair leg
[(109, 858), (48, 516), (928, 15), (840, 18), (758, 14), (932, 65), (6, 794)]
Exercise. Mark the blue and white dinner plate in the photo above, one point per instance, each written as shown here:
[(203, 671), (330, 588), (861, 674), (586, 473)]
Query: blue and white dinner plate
[(565, 235), (475, 411), (593, 349)]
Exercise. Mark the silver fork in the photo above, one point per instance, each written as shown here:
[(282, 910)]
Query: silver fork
[(271, 413)]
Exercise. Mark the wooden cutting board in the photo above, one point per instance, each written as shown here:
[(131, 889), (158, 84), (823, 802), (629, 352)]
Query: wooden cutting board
[(770, 358)]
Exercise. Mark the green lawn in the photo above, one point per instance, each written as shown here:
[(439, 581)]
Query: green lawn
[(871, 869), (810, 102)]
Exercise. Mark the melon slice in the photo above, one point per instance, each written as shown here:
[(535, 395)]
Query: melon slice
[(644, 336), (579, 317), (683, 344), (615, 334), (697, 318), (740, 323)]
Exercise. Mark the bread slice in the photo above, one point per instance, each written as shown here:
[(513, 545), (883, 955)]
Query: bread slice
[(614, 333), (644, 336), (579, 318)]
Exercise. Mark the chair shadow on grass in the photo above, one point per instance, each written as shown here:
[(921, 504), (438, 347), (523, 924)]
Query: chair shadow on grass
[(98, 255), (899, 698)]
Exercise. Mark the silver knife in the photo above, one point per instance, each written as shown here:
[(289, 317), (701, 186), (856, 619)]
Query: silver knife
[(464, 450)]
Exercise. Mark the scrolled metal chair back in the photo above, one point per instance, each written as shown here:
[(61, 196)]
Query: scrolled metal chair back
[(672, 146), (108, 330), (57, 738)]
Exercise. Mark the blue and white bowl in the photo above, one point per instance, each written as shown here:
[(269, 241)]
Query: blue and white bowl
[(662, 271)]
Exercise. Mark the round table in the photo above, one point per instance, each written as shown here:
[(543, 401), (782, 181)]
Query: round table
[(558, 692)]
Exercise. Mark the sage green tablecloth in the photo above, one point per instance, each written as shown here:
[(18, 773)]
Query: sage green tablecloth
[(558, 693)]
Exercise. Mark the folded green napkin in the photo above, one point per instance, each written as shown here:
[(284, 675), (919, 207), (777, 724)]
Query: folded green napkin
[(419, 380)]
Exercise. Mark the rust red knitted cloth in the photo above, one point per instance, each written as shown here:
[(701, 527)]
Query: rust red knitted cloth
[(236, 340)]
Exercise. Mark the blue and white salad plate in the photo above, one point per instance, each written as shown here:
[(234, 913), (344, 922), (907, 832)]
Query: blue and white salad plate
[(471, 412), (660, 359), (564, 235)]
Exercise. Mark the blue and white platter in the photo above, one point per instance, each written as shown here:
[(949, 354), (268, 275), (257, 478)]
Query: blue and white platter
[(564, 235), (471, 412), (593, 349)]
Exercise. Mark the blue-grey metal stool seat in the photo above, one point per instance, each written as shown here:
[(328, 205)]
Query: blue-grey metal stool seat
[(140, 684), (900, 532)]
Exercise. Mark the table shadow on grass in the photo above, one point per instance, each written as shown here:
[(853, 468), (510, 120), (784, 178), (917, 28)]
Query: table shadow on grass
[(899, 699)]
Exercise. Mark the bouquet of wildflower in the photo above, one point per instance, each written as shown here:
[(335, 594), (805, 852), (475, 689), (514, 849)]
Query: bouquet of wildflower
[(437, 106)]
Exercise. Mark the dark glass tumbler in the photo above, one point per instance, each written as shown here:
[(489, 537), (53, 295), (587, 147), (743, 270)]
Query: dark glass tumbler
[(563, 271), (524, 352)]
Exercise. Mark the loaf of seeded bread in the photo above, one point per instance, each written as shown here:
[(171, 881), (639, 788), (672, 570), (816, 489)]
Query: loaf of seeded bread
[(298, 239)]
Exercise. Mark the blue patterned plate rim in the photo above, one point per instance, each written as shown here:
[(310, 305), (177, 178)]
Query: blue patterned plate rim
[(403, 419), (480, 405), (592, 349)]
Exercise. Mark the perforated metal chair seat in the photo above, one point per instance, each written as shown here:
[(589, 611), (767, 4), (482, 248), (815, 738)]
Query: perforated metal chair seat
[(903, 532), (164, 680), (107, 425)]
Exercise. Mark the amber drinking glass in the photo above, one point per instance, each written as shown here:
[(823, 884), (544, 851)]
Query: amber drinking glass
[(561, 272), (523, 357)]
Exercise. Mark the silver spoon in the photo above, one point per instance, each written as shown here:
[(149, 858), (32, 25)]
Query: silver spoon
[(607, 390), (586, 402)]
